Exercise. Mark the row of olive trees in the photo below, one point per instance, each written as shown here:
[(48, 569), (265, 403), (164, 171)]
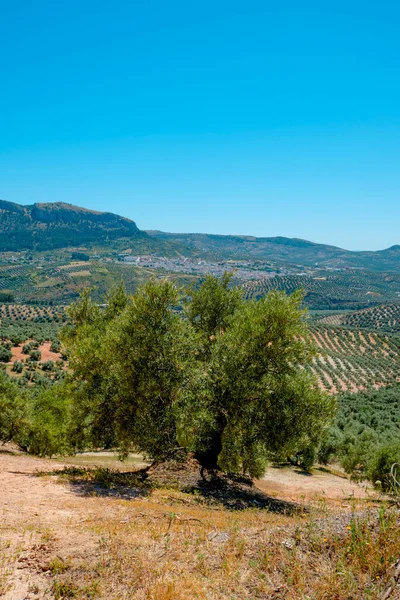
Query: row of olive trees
[(206, 371)]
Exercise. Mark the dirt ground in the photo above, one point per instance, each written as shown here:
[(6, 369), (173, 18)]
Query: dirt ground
[(296, 485), (47, 354), (39, 518), (45, 524)]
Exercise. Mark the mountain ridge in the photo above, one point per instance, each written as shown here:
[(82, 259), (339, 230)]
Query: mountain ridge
[(56, 225), (283, 250), (52, 225)]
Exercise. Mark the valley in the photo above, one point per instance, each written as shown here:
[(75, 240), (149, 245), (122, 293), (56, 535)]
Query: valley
[(103, 527)]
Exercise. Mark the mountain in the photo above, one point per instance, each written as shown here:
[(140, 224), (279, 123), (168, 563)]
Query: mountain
[(58, 225), (279, 250)]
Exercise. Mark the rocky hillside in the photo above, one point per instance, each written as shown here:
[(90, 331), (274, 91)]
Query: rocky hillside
[(59, 225), (55, 225), (280, 250)]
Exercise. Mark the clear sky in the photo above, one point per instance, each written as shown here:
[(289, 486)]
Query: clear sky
[(257, 117)]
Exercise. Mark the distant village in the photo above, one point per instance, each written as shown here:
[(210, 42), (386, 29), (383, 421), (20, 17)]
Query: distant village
[(242, 270)]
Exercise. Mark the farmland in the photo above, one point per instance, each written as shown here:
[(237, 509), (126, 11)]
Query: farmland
[(353, 360), (385, 317), (60, 284), (29, 346), (34, 313), (351, 357), (338, 291)]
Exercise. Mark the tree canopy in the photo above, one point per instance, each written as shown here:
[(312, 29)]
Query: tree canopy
[(223, 377)]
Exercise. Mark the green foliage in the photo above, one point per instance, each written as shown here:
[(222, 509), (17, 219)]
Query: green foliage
[(48, 365), (55, 346), (250, 400), (210, 306), (19, 331), (5, 354), (80, 256), (18, 366), (35, 354), (146, 351), (380, 466), (50, 428), (6, 297), (366, 434), (13, 418), (129, 359), (223, 378)]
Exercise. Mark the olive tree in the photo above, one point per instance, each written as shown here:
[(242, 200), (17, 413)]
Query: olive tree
[(252, 398), (224, 378), (129, 361)]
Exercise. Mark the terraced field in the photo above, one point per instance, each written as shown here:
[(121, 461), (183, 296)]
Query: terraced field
[(385, 317), (16, 278), (22, 322), (344, 290), (61, 284), (353, 360), (37, 314)]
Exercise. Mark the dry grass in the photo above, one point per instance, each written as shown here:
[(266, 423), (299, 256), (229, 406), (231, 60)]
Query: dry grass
[(158, 551), (165, 544)]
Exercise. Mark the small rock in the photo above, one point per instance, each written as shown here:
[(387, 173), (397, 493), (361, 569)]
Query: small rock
[(219, 537)]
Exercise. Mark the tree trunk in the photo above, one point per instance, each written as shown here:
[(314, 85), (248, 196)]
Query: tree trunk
[(208, 458)]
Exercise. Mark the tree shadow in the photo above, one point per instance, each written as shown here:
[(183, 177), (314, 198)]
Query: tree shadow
[(224, 490), (303, 472), (8, 452), (238, 493), (101, 482)]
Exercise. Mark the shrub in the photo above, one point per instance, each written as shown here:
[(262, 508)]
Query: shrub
[(35, 355), (5, 355), (18, 366), (379, 467), (48, 365), (55, 346), (12, 410)]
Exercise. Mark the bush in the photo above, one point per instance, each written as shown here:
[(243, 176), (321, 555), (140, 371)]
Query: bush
[(55, 346), (12, 410), (5, 355), (379, 467), (18, 366), (48, 365), (35, 355)]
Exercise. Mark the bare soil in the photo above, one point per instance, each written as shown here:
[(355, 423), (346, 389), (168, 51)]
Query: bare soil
[(47, 354), (61, 539)]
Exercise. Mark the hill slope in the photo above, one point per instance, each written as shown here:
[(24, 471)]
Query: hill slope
[(353, 360), (280, 250), (59, 225), (335, 291), (385, 317)]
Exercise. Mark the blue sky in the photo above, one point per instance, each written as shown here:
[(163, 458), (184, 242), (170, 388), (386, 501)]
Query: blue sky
[(259, 118)]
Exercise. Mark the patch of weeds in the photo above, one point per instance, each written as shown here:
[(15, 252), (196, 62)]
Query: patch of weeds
[(58, 565), (65, 589), (96, 480), (46, 536)]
